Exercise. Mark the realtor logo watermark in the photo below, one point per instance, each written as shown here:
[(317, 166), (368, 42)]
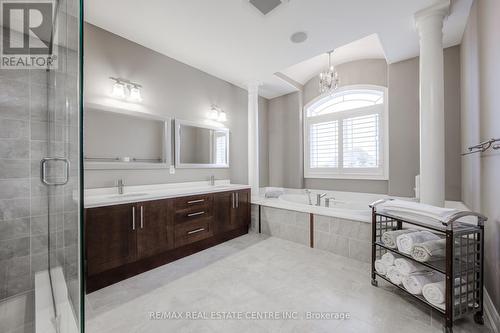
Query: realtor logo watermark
[(27, 35)]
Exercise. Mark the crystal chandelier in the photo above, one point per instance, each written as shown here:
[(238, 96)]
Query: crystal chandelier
[(328, 79)]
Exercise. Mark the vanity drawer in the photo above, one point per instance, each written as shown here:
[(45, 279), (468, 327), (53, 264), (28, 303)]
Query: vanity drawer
[(193, 213), (193, 202), (193, 231)]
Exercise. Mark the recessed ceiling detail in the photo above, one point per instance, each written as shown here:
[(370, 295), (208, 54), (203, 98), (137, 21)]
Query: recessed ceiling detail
[(368, 47), (265, 6)]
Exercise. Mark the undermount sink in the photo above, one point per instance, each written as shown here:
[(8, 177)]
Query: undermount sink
[(126, 195)]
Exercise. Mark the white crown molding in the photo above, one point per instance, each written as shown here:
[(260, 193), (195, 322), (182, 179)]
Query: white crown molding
[(491, 312)]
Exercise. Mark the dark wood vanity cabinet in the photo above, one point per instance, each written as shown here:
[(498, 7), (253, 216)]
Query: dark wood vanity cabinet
[(154, 234), (117, 235), (232, 210), (110, 237), (128, 239)]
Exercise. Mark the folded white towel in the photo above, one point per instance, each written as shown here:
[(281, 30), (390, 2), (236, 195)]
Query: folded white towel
[(381, 267), (407, 266), (416, 281), (405, 242), (389, 237), (402, 206), (430, 250), (388, 259), (274, 193), (394, 275)]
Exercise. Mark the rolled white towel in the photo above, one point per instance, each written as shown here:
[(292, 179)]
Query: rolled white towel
[(429, 250), (394, 275), (435, 293), (388, 259), (381, 267), (407, 267), (389, 237), (416, 281), (405, 242)]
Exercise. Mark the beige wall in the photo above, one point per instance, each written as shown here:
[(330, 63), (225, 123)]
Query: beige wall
[(480, 52), (403, 127), (285, 156), (170, 89)]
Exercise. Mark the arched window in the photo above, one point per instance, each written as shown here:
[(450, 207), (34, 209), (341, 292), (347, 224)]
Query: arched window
[(346, 134)]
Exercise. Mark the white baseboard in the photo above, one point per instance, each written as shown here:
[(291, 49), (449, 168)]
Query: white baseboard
[(491, 313)]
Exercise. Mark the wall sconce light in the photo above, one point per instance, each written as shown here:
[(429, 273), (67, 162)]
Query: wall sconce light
[(217, 114), (222, 116), (126, 89), (118, 90), (135, 94)]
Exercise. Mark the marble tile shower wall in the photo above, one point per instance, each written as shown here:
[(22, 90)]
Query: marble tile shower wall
[(24, 200), (344, 237)]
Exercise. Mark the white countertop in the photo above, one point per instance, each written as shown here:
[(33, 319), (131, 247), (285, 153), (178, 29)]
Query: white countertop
[(100, 197)]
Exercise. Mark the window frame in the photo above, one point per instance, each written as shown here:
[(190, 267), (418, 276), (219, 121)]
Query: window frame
[(381, 173)]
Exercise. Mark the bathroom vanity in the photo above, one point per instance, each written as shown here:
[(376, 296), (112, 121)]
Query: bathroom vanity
[(131, 233)]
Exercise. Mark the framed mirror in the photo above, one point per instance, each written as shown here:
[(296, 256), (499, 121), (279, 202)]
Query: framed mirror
[(200, 146), (125, 139)]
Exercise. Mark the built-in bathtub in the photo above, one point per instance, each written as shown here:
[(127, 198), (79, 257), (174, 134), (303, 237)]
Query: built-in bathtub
[(344, 228)]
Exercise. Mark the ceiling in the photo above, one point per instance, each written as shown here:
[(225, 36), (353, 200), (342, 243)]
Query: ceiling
[(232, 40)]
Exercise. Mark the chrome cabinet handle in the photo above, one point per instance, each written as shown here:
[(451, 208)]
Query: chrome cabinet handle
[(195, 201), (232, 199), (142, 217), (133, 217), (43, 170), (195, 214), (195, 231), (237, 199)]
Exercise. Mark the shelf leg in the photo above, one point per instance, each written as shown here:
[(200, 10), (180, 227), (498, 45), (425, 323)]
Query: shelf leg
[(479, 318), (374, 282)]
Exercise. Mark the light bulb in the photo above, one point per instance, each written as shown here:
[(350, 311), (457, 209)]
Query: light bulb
[(135, 94), (118, 90), (213, 114), (222, 116)]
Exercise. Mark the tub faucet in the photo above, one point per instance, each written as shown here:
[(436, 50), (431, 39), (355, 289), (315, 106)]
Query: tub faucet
[(308, 192), (318, 198), (327, 201), (120, 185)]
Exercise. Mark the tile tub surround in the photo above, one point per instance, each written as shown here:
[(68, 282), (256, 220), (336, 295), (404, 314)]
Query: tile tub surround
[(260, 273), (101, 197), (348, 238)]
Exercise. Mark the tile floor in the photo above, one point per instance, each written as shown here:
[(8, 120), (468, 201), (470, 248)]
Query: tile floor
[(259, 273)]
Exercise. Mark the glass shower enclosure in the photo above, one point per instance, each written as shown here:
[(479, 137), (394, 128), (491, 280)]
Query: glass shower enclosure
[(40, 170)]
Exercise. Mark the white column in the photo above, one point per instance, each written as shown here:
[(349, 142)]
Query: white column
[(253, 136), (429, 24)]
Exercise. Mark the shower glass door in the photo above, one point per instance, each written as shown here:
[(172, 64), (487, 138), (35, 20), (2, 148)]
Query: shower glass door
[(40, 136)]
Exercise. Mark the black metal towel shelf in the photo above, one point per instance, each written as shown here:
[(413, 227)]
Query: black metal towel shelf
[(462, 265)]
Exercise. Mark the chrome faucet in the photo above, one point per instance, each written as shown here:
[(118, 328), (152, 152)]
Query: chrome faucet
[(120, 185), (308, 192), (318, 198), (327, 201), (212, 180)]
